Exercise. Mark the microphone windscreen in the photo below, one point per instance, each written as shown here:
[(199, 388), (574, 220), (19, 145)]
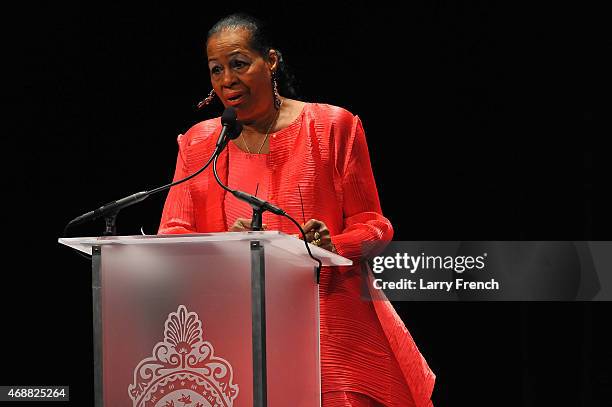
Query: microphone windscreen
[(228, 116), (235, 131)]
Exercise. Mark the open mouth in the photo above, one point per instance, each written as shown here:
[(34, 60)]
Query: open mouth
[(234, 98)]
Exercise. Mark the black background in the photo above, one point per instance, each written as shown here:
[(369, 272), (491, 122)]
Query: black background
[(484, 122)]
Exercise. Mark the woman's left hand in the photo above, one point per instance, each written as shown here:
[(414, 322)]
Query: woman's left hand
[(318, 234)]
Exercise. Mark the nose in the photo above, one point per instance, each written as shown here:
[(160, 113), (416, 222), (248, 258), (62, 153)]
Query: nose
[(229, 78)]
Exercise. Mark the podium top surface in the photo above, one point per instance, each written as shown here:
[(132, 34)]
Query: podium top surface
[(287, 243)]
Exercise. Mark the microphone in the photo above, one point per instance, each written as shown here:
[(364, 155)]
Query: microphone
[(111, 207), (258, 202), (259, 206), (231, 129)]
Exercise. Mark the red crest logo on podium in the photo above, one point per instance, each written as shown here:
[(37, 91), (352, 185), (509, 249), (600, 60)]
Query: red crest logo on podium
[(183, 370)]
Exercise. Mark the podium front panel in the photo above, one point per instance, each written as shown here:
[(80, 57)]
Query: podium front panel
[(176, 326), (292, 316)]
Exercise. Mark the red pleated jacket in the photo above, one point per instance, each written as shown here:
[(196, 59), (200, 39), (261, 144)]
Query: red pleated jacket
[(365, 347)]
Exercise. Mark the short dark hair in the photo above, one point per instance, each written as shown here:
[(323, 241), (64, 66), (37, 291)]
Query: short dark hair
[(261, 42)]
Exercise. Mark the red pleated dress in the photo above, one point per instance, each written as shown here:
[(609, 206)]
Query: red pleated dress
[(368, 357)]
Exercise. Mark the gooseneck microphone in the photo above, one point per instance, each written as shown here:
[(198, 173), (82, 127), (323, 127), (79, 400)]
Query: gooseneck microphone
[(259, 206), (230, 130)]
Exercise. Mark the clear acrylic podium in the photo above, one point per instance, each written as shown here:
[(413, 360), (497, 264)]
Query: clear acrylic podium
[(205, 320)]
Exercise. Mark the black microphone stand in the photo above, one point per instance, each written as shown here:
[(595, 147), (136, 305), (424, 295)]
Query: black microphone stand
[(257, 218), (110, 221)]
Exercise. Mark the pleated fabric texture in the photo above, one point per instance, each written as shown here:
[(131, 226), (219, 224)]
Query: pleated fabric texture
[(249, 173), (365, 347), (348, 399)]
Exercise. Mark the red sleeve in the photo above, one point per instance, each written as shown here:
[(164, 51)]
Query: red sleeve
[(178, 216), (363, 219)]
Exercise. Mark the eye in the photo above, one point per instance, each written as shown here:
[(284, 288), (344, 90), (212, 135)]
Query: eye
[(237, 64), (215, 70)]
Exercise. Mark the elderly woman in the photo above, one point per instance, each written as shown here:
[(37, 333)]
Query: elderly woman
[(290, 149)]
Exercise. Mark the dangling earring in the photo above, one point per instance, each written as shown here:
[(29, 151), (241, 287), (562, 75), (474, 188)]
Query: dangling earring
[(277, 99), (208, 99)]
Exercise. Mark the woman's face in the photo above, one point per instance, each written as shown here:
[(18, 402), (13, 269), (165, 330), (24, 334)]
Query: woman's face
[(239, 75)]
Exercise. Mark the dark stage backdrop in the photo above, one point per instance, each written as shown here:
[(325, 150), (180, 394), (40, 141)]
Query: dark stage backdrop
[(482, 123)]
